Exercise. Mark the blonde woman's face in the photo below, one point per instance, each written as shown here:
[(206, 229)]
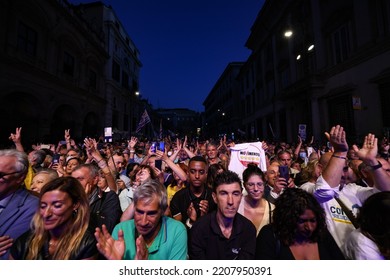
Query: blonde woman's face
[(39, 181)]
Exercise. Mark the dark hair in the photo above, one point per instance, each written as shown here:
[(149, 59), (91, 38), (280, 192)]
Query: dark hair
[(130, 167), (374, 221), (143, 166), (226, 177), (213, 172), (197, 158), (283, 152), (251, 170), (288, 207)]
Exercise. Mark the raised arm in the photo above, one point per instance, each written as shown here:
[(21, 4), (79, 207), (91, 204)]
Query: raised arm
[(333, 171), (17, 139), (298, 148), (67, 139), (175, 168), (368, 154), (91, 147), (188, 152), (131, 146), (176, 152)]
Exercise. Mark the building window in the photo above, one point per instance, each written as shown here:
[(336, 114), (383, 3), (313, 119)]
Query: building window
[(125, 80), (116, 71), (92, 79), (68, 66), (285, 77), (340, 44), (27, 39)]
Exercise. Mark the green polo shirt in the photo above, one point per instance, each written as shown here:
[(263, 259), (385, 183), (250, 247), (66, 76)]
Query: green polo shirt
[(169, 244)]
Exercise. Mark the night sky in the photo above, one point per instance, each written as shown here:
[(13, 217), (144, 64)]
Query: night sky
[(185, 45)]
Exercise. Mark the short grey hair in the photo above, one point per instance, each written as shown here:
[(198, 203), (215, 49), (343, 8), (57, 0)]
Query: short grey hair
[(148, 189), (50, 172), (93, 169), (22, 162)]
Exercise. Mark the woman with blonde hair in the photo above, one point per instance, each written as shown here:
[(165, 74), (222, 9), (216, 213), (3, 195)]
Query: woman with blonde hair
[(59, 226), (310, 174)]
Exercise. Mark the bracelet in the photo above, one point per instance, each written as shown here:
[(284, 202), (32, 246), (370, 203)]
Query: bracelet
[(376, 166), (344, 158), (102, 164), (188, 223)]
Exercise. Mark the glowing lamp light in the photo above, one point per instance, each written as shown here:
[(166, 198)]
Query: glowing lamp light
[(288, 34)]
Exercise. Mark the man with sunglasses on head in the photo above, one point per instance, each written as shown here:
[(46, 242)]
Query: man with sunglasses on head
[(17, 204)]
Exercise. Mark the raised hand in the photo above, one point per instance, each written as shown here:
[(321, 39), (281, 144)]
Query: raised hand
[(16, 138), (67, 135), (204, 207), (132, 142), (369, 150), (142, 250), (337, 138), (112, 249)]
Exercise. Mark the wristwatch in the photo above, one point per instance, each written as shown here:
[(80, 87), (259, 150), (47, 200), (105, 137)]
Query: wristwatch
[(377, 166)]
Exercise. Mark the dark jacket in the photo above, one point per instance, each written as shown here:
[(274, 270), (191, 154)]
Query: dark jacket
[(16, 217)]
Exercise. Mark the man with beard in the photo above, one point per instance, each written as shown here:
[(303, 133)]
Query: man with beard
[(150, 235)]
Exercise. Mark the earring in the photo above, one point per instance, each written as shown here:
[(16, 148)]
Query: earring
[(75, 212)]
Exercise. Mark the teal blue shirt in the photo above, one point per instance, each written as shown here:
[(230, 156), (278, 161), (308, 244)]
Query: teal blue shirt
[(169, 244)]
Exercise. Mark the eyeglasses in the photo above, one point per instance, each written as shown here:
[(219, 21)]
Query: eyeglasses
[(252, 185), (6, 174)]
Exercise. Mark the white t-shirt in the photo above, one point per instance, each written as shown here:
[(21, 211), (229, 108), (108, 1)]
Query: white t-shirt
[(359, 247), (243, 154), (337, 221)]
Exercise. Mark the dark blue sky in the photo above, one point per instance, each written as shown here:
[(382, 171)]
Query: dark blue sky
[(185, 44)]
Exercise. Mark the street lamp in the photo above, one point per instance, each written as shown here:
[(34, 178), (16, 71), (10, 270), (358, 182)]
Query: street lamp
[(288, 33)]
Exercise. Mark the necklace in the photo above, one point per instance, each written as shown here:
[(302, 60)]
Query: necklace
[(53, 243)]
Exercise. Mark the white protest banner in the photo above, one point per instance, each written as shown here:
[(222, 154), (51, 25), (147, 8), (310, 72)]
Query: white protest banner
[(245, 153)]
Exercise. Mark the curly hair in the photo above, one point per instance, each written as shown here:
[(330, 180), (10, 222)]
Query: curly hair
[(291, 204), (374, 221)]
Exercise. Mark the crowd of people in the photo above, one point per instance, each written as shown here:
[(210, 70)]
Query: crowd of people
[(178, 200)]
